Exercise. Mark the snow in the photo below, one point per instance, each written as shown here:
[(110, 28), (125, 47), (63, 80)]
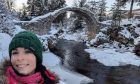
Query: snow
[(125, 33), (53, 63), (44, 16), (17, 29), (137, 30), (100, 35), (129, 21), (108, 56), (4, 43), (40, 17), (108, 22), (75, 36), (123, 22), (53, 30), (49, 59), (137, 40), (111, 57), (71, 77)]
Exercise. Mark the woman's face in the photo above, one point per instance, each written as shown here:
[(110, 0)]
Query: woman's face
[(23, 60)]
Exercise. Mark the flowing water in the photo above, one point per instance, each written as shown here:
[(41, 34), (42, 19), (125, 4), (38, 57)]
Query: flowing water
[(73, 54), (101, 74)]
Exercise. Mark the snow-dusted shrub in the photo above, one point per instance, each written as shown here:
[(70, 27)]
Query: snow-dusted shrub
[(121, 34), (137, 40), (44, 42), (99, 39)]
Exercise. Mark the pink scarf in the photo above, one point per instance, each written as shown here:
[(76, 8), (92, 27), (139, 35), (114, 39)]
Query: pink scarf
[(15, 79)]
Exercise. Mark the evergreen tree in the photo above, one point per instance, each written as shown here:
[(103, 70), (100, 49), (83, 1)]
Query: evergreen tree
[(79, 20), (53, 5), (93, 6), (102, 10), (35, 7), (23, 14), (80, 3), (116, 17), (40, 7), (98, 8)]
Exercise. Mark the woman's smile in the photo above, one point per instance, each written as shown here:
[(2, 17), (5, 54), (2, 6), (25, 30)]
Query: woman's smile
[(22, 65)]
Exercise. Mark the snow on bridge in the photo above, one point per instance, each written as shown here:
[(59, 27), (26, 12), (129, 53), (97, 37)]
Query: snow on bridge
[(41, 24)]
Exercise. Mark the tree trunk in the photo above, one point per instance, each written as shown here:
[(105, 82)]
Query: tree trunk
[(130, 15)]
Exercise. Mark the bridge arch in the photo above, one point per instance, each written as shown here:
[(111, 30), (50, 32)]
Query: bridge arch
[(41, 24), (90, 20)]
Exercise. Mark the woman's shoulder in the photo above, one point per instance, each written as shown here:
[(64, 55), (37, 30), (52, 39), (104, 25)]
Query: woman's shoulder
[(3, 68), (52, 76)]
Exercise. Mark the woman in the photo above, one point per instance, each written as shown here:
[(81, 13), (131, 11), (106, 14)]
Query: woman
[(25, 51)]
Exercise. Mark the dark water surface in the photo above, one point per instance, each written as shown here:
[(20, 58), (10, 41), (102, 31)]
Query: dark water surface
[(128, 74), (79, 59)]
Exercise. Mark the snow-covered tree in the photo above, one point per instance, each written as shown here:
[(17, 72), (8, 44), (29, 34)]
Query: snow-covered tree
[(97, 7), (93, 7), (40, 7), (6, 24), (35, 7), (80, 3), (55, 4), (102, 10), (23, 14), (9, 3), (79, 20)]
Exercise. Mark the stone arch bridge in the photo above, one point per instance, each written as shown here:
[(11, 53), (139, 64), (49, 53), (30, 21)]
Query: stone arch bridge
[(41, 24)]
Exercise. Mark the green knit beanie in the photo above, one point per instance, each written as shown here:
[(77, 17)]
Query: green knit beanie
[(27, 40)]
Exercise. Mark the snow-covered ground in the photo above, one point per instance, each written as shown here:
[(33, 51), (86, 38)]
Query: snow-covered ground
[(108, 56), (112, 57)]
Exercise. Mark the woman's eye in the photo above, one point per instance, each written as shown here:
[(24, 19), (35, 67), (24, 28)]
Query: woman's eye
[(14, 53), (28, 51)]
